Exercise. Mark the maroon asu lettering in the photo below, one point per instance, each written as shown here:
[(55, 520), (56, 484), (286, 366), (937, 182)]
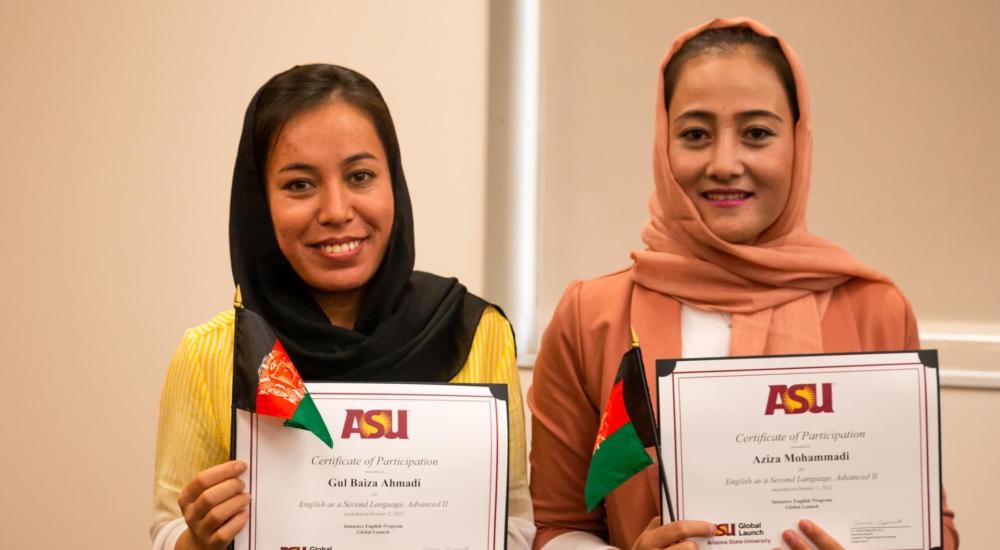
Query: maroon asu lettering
[(374, 424), (799, 398), (725, 529)]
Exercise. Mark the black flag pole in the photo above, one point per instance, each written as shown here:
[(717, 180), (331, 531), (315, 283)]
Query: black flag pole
[(644, 420)]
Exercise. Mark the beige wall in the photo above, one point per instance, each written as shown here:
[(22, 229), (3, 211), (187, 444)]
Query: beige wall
[(121, 121), (120, 127), (905, 123)]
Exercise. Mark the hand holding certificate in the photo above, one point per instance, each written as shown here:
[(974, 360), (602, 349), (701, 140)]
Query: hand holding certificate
[(850, 441), (416, 466)]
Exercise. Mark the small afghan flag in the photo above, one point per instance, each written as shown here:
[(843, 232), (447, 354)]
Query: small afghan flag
[(627, 428), (264, 379)]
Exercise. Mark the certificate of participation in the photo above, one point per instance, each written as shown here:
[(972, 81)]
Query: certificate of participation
[(850, 441), (413, 466)]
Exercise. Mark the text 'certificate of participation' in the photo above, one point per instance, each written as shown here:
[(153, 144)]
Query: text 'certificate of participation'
[(850, 441), (413, 466)]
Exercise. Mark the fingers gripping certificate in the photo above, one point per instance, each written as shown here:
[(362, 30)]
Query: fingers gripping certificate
[(849, 441), (413, 466)]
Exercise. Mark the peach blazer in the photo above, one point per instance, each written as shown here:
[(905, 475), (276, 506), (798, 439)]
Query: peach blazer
[(576, 366)]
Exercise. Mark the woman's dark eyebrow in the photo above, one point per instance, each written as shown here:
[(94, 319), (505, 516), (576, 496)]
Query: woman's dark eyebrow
[(706, 115), (695, 113), (310, 168), (297, 166), (357, 157), (758, 113)]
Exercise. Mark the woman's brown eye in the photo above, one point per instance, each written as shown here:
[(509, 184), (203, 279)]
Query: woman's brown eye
[(361, 177), (296, 185), (758, 134), (694, 135)]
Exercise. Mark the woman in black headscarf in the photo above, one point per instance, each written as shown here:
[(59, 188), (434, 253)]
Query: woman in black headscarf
[(321, 243)]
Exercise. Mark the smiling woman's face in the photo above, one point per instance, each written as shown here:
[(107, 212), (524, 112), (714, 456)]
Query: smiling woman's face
[(731, 144), (330, 195)]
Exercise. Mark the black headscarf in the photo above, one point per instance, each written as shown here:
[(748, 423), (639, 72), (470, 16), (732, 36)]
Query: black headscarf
[(412, 326)]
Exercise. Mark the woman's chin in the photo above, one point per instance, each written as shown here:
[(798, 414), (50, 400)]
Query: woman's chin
[(326, 275), (343, 283), (734, 234)]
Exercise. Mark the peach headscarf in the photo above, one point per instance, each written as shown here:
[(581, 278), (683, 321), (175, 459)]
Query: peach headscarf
[(776, 289)]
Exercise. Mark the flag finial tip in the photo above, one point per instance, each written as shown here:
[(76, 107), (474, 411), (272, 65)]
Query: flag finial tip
[(238, 298), (635, 337)]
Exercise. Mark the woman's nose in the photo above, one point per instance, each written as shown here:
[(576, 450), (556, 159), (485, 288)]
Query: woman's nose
[(335, 205), (725, 162)]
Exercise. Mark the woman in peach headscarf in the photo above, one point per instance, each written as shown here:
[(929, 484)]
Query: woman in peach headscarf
[(729, 269)]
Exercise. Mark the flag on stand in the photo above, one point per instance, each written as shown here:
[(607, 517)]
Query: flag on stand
[(264, 379), (626, 429)]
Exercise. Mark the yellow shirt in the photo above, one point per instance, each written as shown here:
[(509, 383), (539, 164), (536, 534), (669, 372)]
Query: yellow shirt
[(195, 408)]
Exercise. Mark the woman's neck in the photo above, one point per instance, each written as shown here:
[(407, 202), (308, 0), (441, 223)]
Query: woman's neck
[(341, 308)]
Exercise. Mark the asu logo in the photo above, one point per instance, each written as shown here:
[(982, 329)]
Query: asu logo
[(725, 529), (374, 424), (799, 398)]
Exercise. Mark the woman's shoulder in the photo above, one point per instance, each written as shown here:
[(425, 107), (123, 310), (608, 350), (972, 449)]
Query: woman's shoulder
[(202, 365), (493, 318), (493, 331), (882, 315), (212, 335), (875, 296), (492, 351), (598, 299), (600, 290), (590, 313), (221, 322)]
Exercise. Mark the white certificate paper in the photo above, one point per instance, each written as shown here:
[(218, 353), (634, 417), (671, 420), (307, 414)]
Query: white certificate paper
[(850, 441), (413, 466)]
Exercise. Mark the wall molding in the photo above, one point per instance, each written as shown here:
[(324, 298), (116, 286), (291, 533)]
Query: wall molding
[(971, 351), (970, 379)]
